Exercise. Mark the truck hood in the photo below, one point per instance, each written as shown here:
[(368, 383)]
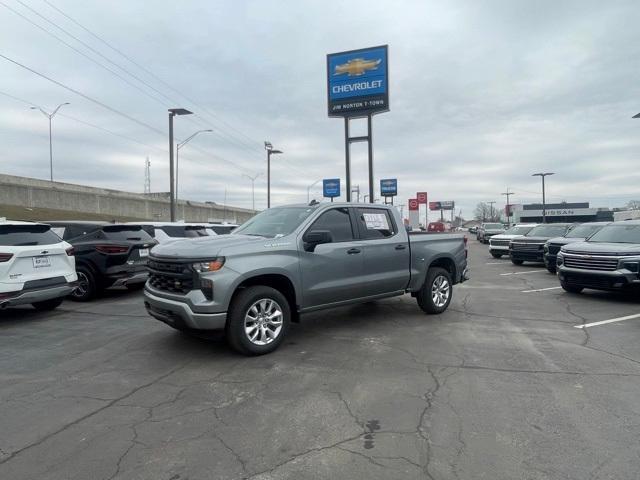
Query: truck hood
[(504, 236), (203, 247), (586, 248), (493, 230), (565, 241)]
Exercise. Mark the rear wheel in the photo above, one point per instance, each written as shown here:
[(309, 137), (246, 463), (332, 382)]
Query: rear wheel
[(496, 255), (47, 305), (87, 286), (571, 288), (435, 295), (259, 319), (517, 262)]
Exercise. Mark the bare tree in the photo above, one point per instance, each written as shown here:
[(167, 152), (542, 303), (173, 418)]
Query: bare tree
[(633, 205)]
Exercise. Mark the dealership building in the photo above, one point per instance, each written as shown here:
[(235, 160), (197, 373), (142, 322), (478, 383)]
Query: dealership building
[(560, 212)]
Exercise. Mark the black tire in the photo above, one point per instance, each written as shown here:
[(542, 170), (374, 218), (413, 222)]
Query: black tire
[(496, 255), (47, 305), (425, 297), (235, 331), (87, 288), (551, 269), (517, 262), (571, 288)]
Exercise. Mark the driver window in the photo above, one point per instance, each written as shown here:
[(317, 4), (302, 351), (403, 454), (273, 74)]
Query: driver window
[(338, 222)]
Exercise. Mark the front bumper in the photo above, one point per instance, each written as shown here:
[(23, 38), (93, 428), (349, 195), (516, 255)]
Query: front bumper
[(526, 256), (131, 278), (179, 314), (36, 295), (550, 260), (598, 280)]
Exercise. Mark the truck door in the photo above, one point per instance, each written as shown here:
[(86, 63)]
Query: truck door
[(387, 257), (333, 271)]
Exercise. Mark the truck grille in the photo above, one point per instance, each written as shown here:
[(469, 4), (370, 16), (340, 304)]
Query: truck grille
[(554, 248), (590, 281), (586, 262), (499, 243), (172, 277), (526, 247)]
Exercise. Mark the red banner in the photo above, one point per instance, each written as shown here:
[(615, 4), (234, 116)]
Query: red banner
[(422, 198), (413, 204)]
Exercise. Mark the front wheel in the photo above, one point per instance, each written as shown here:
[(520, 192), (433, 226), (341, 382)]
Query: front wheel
[(551, 269), (435, 295), (517, 262), (571, 288), (496, 255), (259, 319), (47, 305)]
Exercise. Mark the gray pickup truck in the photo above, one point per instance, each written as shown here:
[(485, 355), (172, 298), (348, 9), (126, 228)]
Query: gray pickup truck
[(295, 259)]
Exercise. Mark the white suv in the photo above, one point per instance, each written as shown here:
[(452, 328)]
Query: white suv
[(36, 266), (499, 244)]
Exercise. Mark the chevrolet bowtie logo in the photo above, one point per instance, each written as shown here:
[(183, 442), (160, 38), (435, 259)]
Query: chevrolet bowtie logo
[(356, 67)]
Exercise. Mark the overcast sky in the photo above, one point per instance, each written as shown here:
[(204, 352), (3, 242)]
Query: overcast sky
[(483, 94)]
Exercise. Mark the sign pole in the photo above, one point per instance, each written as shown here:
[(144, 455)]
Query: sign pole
[(370, 142), (347, 156)]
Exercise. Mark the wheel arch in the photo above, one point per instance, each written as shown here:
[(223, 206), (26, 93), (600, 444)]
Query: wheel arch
[(278, 281)]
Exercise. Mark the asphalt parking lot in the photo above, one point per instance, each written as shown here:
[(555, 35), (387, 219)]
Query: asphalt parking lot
[(506, 384)]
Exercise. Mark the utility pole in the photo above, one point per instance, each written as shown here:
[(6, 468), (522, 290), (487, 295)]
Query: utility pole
[(508, 208), (147, 175), (50, 117), (491, 209), (270, 151), (253, 189)]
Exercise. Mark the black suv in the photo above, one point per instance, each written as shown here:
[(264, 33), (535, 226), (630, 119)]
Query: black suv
[(107, 255), (530, 247)]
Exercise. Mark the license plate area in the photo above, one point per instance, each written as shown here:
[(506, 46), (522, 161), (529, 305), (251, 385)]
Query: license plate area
[(143, 252), (41, 261)]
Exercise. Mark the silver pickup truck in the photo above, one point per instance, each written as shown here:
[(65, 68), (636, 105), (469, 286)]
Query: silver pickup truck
[(295, 259)]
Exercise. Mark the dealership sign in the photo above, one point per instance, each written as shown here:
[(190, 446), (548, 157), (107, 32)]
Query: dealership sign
[(413, 204), (560, 212), (331, 187), (389, 187), (358, 82), (422, 198), (448, 205)]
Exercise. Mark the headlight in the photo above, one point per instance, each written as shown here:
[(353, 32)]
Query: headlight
[(559, 260), (546, 248), (631, 266), (209, 265)]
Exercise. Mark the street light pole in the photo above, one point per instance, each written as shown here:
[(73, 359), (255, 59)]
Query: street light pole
[(544, 201), (508, 209), (253, 190), (270, 151), (172, 200), (178, 147), (309, 190), (50, 117)]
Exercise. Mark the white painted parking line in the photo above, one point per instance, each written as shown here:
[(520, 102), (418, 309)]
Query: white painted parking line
[(540, 289), (613, 320), (496, 263), (522, 273)]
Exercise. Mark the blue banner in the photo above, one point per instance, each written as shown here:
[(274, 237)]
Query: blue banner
[(331, 187), (357, 82), (389, 187)]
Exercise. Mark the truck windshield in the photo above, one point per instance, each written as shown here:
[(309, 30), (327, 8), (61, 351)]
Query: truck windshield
[(618, 234), (548, 231), (494, 226), (275, 222), (518, 231), (583, 231)]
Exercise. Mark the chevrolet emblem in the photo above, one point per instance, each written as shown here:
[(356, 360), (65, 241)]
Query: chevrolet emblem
[(356, 67)]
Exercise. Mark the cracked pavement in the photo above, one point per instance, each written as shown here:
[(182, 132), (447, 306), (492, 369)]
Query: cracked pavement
[(501, 386)]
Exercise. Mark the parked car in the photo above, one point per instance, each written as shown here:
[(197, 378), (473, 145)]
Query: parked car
[(499, 244), (488, 230), (167, 231), (608, 260), (222, 228), (577, 234), (473, 229), (106, 255), (294, 259), (36, 266), (436, 227), (530, 247)]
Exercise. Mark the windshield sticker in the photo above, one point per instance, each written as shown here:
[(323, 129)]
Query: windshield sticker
[(376, 221)]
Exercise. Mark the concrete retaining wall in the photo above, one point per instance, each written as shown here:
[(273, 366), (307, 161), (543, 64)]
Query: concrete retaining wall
[(34, 193)]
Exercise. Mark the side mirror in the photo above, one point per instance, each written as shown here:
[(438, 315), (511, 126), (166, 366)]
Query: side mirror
[(314, 238)]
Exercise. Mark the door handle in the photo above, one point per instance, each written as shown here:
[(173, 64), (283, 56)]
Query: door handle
[(400, 247), (353, 251)]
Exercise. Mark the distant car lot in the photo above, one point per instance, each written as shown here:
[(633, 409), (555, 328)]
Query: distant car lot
[(506, 384)]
